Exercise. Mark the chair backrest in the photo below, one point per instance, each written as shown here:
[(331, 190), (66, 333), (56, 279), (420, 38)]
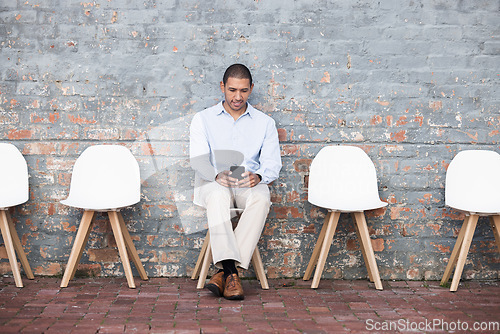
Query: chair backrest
[(104, 177), (473, 182), (14, 185), (343, 178)]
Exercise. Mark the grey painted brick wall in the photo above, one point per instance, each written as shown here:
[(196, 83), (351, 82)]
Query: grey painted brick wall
[(411, 82)]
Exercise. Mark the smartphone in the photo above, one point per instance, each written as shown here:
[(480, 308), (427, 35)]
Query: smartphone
[(236, 172)]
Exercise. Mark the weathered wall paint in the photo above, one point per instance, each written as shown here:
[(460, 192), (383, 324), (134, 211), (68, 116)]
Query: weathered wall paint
[(411, 82)]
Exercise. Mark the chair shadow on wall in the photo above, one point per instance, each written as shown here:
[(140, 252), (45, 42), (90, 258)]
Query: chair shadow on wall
[(168, 175)]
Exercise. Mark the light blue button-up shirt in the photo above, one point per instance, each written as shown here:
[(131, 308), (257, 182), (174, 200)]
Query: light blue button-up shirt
[(217, 142)]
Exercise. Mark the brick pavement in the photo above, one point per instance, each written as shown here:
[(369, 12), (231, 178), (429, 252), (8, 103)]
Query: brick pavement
[(173, 305)]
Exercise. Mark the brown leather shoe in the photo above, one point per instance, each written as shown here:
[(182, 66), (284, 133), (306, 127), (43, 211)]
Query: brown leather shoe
[(216, 284), (232, 288)]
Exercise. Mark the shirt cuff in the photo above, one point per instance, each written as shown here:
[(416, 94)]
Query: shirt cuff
[(263, 178)]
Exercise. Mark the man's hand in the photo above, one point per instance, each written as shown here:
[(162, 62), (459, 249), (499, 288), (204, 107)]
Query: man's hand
[(249, 180), (224, 179)]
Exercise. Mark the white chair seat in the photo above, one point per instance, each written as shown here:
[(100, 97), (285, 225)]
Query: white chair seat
[(373, 205), (14, 190), (343, 179), (91, 205), (14, 187), (105, 178), (473, 187)]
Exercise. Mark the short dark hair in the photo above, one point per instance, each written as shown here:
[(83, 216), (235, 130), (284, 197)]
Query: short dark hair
[(239, 71)]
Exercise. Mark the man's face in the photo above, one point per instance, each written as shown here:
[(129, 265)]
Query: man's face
[(236, 92)]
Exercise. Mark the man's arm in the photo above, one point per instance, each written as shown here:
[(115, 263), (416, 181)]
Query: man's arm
[(270, 155), (269, 160)]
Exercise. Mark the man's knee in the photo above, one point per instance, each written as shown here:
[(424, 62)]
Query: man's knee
[(218, 196), (262, 198)]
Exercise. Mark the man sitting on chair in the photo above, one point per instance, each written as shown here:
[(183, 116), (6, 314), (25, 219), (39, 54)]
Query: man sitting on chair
[(235, 152)]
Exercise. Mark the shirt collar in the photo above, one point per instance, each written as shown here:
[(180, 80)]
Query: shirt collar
[(220, 110)]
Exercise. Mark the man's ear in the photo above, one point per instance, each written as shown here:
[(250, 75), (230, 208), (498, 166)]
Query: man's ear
[(251, 88), (222, 86)]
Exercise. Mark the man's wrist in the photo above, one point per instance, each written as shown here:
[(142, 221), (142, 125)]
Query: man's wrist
[(217, 176), (260, 177)]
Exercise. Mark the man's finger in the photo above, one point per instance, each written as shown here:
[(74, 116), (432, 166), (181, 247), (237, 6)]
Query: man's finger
[(247, 182)]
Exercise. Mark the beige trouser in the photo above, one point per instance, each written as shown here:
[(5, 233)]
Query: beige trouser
[(239, 244)]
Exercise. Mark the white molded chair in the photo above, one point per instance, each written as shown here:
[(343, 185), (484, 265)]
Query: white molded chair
[(105, 178), (14, 190), (472, 186), (343, 179), (205, 259)]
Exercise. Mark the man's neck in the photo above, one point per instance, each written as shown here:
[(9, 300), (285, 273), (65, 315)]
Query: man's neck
[(235, 113)]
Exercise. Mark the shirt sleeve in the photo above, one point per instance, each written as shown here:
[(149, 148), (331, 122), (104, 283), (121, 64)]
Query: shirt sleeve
[(270, 156), (199, 150)]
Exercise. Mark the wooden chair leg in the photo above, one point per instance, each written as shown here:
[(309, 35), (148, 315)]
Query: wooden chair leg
[(9, 247), (254, 264), (259, 269), (317, 248), (19, 248), (495, 226), (325, 248), (85, 241), (131, 248), (367, 244), (78, 246), (207, 260), (464, 250), (454, 254), (122, 249), (201, 256), (367, 263)]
